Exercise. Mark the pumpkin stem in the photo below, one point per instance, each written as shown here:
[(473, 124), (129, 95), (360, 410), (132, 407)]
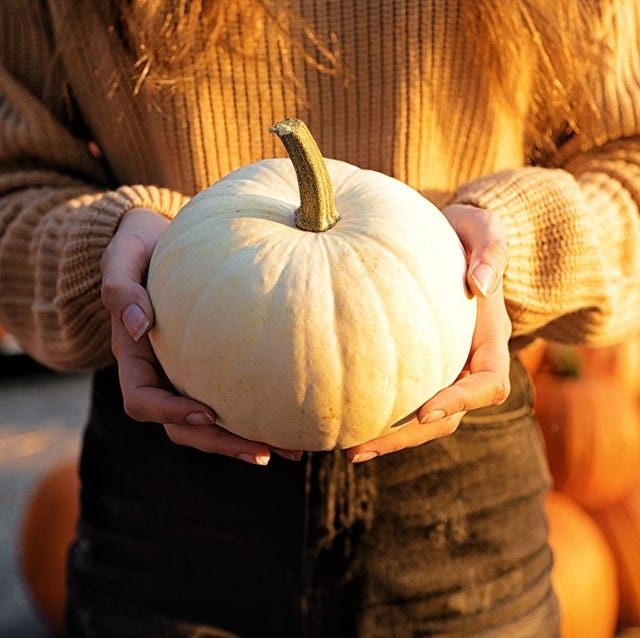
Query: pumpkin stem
[(317, 211)]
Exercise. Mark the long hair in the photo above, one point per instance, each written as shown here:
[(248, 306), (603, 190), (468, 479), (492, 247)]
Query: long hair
[(560, 43), (174, 39)]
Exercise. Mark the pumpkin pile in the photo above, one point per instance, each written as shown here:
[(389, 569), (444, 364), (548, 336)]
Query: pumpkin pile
[(587, 404)]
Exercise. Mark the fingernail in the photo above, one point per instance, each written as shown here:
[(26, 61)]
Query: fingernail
[(200, 418), (364, 456), (289, 455), (434, 415), (485, 278), (260, 459), (135, 321)]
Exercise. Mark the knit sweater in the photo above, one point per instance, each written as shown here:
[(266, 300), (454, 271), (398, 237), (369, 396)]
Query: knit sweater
[(82, 142)]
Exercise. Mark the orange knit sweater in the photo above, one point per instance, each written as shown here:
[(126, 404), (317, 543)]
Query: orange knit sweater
[(80, 145)]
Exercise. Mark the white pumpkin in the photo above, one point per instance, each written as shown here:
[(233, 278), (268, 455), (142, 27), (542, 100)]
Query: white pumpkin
[(310, 339)]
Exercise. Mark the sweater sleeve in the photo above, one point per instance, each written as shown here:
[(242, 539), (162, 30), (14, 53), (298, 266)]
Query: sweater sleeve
[(574, 227), (57, 211)]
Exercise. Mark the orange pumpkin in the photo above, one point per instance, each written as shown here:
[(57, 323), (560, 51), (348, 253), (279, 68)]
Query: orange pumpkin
[(591, 429), (532, 356), (584, 572), (619, 363), (47, 530), (620, 524)]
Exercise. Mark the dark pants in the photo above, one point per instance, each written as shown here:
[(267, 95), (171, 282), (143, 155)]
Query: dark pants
[(447, 539)]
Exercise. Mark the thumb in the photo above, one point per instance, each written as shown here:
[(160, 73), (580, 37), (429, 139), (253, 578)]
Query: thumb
[(124, 266), (483, 235), (487, 263)]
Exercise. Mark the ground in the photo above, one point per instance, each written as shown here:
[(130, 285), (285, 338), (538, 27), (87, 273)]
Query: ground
[(41, 419)]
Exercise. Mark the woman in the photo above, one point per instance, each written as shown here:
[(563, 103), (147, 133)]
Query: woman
[(520, 125)]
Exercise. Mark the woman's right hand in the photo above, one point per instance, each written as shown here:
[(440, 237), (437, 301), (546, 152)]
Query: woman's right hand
[(148, 395)]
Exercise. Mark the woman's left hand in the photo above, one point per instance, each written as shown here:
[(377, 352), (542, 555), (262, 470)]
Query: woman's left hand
[(485, 379)]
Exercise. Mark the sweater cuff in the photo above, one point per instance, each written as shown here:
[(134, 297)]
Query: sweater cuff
[(555, 264), (86, 321), (117, 202)]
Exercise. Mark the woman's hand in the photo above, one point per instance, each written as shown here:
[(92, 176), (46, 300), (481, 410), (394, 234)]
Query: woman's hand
[(485, 378), (148, 394)]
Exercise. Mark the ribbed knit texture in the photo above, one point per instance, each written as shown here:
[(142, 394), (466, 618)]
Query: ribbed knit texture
[(412, 103)]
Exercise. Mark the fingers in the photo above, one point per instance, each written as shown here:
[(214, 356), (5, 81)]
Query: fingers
[(484, 237), (124, 266), (291, 455), (216, 440), (485, 380), (122, 291), (219, 441), (482, 278), (487, 264), (147, 394), (410, 435), (148, 397), (471, 392), (138, 317), (441, 415)]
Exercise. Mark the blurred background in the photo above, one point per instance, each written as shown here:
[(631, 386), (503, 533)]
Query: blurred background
[(41, 418)]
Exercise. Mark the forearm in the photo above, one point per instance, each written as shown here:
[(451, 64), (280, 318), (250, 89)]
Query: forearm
[(51, 241), (574, 239)]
